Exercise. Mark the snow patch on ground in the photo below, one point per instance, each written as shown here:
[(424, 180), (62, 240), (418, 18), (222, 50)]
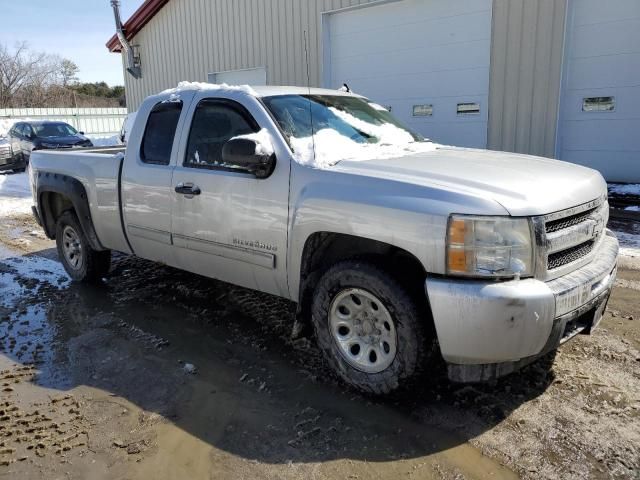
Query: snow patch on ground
[(223, 87), (624, 189), (6, 124), (15, 194)]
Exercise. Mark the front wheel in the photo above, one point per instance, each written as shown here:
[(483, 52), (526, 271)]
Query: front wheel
[(82, 263), (371, 330)]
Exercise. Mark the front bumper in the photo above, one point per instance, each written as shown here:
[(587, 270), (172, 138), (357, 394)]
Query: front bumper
[(489, 329)]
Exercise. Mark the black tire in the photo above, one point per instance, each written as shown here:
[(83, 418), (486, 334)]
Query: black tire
[(91, 264), (415, 346)]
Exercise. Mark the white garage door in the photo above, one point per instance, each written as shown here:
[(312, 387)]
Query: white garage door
[(600, 117), (426, 59)]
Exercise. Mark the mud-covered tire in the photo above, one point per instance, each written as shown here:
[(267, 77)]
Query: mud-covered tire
[(414, 346), (86, 264)]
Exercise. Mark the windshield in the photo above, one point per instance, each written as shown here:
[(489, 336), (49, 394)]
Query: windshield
[(54, 130), (344, 128)]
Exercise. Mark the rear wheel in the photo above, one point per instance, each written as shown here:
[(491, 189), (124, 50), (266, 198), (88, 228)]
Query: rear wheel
[(82, 263), (371, 330)]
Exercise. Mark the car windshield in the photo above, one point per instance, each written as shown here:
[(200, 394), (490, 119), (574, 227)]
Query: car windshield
[(54, 130), (325, 129)]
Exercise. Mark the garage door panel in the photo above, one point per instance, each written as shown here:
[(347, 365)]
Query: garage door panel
[(427, 33), (624, 38), (603, 135), (444, 110), (460, 134), (605, 71), (430, 60), (361, 19), (458, 84), (626, 103), (412, 52), (603, 11), (620, 166)]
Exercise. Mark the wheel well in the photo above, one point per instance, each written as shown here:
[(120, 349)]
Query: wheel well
[(53, 205), (324, 249)]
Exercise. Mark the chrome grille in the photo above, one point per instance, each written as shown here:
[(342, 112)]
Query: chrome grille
[(5, 151), (568, 238), (555, 225), (569, 255)]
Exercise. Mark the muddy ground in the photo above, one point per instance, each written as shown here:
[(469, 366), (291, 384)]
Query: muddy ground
[(160, 374)]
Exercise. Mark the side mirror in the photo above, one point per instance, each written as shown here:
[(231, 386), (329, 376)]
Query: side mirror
[(32, 136), (242, 152), (81, 133)]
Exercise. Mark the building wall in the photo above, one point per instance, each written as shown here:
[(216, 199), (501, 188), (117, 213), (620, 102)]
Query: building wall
[(526, 65), (188, 39)]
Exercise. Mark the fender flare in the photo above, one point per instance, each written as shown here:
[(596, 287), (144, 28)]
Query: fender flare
[(72, 189)]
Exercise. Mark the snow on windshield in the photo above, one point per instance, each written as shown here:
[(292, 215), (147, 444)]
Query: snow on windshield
[(331, 147)]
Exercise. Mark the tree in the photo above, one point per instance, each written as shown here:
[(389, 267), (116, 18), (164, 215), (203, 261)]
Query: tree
[(68, 72), (35, 79)]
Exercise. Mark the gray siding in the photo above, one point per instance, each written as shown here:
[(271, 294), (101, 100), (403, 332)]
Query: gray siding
[(188, 39), (526, 64)]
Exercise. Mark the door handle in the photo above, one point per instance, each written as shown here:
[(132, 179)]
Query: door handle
[(188, 189)]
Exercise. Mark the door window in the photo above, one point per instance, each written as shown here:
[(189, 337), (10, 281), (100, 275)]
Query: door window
[(19, 130), (159, 133), (215, 122), (27, 131)]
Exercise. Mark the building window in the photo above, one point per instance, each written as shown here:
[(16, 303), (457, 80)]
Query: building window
[(468, 108), (423, 110), (598, 104)]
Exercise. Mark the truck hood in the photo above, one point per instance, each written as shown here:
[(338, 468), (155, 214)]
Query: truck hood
[(524, 185)]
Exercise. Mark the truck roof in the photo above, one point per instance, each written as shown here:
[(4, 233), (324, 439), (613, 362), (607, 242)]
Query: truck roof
[(273, 90)]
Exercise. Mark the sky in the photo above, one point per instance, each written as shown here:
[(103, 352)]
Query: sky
[(74, 29)]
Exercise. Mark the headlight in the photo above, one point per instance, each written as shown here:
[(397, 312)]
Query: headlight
[(489, 246)]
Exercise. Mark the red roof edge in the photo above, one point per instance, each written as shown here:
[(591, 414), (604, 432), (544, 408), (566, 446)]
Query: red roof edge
[(138, 20)]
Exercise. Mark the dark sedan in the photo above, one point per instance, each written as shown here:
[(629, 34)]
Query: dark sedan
[(35, 135)]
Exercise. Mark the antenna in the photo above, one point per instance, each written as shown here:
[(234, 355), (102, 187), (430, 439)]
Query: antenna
[(306, 56)]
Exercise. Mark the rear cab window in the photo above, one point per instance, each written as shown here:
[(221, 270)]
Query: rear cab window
[(160, 132)]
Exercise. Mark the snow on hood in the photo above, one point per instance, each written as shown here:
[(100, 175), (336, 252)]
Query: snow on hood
[(199, 86), (264, 144), (328, 147)]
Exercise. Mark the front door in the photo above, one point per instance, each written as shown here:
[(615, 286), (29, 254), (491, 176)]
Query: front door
[(227, 224)]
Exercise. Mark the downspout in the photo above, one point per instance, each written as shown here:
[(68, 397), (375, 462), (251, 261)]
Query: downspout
[(133, 64)]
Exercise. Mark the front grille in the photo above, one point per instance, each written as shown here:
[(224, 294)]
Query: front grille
[(559, 259), (567, 222)]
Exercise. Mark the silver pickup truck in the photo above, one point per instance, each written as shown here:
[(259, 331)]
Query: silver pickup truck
[(397, 251)]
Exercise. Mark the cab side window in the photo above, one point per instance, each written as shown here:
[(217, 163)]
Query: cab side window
[(215, 122), (159, 133)]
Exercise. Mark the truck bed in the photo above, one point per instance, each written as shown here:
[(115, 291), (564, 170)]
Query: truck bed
[(98, 169)]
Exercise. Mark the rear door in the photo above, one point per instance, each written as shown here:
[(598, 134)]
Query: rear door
[(235, 228), (146, 181)]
